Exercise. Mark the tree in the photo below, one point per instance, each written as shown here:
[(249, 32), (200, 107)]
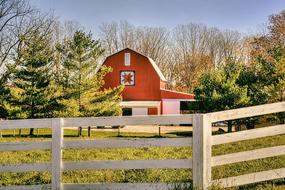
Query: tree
[(33, 93), (82, 79), (10, 12), (4, 95), (17, 19), (218, 90), (268, 53), (150, 41)]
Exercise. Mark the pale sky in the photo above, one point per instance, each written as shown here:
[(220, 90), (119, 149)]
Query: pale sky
[(246, 16)]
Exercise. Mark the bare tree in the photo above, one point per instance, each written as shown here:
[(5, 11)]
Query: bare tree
[(182, 53), (62, 34), (19, 21), (11, 9), (191, 54), (197, 48), (150, 41), (109, 37), (11, 13), (153, 42), (65, 30)]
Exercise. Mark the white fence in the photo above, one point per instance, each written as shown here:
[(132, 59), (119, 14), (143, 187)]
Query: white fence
[(201, 142)]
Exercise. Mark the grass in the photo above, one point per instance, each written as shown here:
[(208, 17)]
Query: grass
[(146, 175)]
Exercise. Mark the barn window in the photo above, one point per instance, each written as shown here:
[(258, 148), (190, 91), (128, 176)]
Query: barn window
[(127, 59)]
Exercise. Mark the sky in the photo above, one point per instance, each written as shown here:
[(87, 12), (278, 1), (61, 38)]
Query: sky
[(246, 16)]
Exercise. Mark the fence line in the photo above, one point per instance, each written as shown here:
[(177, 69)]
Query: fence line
[(128, 143), (201, 142), (249, 134)]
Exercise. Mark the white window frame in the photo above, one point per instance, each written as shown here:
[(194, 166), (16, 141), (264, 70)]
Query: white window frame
[(127, 59)]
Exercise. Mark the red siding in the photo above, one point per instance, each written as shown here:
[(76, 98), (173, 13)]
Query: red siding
[(147, 81), (152, 111)]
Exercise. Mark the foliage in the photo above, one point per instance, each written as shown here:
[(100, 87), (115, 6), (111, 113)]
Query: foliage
[(218, 90), (4, 95), (237, 85), (82, 79), (269, 50), (33, 93)]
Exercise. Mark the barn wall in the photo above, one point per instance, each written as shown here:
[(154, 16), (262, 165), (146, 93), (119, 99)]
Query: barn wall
[(152, 111), (147, 82)]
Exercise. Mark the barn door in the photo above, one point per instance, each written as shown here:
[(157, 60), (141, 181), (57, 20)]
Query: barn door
[(139, 111)]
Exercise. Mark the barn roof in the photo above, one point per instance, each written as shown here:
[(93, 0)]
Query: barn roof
[(154, 65)]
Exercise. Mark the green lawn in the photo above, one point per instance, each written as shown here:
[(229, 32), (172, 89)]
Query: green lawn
[(148, 175)]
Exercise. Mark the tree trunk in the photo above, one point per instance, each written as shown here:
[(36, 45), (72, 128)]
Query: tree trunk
[(230, 126), (79, 131), (31, 131), (89, 131)]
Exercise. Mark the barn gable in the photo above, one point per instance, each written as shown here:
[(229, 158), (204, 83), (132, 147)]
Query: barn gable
[(144, 92), (151, 61)]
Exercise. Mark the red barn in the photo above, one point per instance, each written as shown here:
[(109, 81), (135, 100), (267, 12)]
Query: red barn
[(144, 92)]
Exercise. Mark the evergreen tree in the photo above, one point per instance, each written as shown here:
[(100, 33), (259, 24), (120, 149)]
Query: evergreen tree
[(4, 95), (265, 79), (82, 79), (33, 91), (218, 90)]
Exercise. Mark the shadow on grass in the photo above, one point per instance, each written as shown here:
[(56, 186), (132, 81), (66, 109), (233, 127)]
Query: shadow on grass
[(269, 185), (112, 135), (181, 133), (139, 136), (190, 133), (27, 136)]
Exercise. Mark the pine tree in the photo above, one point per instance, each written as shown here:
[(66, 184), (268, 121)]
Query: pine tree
[(218, 90), (4, 96), (33, 91), (82, 79)]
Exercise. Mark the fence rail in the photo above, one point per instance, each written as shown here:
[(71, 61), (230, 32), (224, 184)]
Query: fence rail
[(252, 178), (128, 143), (201, 143), (247, 135), (128, 164)]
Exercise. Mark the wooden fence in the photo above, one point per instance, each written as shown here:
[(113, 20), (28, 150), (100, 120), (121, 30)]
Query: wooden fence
[(201, 142)]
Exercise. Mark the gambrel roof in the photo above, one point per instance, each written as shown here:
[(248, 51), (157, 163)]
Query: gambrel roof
[(152, 62)]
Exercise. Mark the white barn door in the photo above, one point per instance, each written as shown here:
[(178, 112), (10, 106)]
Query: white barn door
[(171, 106), (139, 111)]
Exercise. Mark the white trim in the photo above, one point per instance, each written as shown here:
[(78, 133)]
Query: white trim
[(127, 59), (177, 92), (140, 104), (158, 71)]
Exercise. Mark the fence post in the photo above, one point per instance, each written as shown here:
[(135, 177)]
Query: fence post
[(57, 138), (202, 151)]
